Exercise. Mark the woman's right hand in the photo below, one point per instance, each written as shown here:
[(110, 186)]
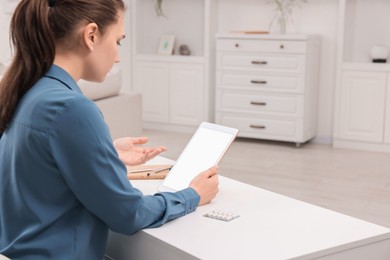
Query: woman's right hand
[(206, 185)]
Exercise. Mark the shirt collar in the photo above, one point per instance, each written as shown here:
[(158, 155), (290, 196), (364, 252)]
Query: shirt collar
[(58, 73)]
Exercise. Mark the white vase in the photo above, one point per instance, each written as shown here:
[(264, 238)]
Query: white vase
[(280, 23), (379, 53)]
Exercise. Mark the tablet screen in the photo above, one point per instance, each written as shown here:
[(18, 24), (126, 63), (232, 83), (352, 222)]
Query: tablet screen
[(204, 150)]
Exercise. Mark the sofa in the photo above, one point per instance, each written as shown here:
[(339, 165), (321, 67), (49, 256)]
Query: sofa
[(121, 111)]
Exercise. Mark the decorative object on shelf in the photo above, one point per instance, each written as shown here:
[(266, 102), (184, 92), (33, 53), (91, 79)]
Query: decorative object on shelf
[(166, 45), (158, 8), (184, 50), (283, 12), (379, 53)]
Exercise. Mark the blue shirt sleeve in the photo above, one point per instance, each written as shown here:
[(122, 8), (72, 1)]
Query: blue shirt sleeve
[(83, 151)]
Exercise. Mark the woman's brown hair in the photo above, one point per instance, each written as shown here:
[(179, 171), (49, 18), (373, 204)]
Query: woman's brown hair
[(37, 27)]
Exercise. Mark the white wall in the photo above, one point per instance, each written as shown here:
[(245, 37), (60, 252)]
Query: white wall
[(5, 52), (126, 64), (317, 17)]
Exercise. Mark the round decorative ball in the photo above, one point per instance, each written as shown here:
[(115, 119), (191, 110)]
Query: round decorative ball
[(184, 50), (379, 53)]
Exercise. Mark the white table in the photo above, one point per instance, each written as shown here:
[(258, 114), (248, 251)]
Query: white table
[(270, 226)]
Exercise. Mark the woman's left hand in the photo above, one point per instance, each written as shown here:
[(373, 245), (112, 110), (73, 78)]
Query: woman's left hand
[(131, 154)]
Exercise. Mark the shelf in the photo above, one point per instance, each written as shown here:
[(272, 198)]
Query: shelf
[(177, 90), (172, 58), (364, 26), (361, 114), (365, 66), (185, 19)]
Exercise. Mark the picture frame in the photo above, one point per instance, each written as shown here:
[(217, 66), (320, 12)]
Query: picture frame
[(166, 45), (10, 5)]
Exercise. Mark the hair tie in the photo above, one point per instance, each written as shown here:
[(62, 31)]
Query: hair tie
[(52, 3)]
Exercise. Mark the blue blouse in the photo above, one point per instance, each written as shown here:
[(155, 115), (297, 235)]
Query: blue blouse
[(62, 185)]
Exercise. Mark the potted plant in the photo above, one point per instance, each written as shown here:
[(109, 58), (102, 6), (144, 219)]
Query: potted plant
[(283, 12), (158, 8)]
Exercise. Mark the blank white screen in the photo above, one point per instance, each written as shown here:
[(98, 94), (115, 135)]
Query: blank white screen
[(205, 149)]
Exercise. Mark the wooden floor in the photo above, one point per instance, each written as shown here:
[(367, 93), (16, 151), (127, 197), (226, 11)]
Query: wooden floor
[(351, 182)]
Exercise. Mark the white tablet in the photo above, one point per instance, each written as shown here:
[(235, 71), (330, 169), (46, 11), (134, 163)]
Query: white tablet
[(205, 149)]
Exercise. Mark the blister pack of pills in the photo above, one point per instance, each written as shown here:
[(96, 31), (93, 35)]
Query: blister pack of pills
[(222, 215)]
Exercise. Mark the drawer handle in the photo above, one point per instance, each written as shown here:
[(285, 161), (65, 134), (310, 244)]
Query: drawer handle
[(237, 45), (282, 46), (258, 126), (256, 62), (258, 103), (258, 81)]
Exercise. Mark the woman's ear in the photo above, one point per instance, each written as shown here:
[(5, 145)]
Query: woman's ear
[(90, 35)]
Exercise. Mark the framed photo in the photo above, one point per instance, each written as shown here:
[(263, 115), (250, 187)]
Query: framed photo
[(10, 5), (166, 45)]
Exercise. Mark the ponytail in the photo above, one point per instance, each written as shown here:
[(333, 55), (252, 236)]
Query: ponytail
[(34, 49), (37, 26)]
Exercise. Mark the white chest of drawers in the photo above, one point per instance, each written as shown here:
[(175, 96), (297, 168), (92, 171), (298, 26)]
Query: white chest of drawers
[(267, 85)]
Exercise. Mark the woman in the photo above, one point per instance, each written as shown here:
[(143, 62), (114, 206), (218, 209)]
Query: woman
[(63, 183)]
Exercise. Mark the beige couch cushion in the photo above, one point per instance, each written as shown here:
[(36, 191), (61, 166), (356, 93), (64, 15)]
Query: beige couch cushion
[(2, 69), (109, 88), (123, 114)]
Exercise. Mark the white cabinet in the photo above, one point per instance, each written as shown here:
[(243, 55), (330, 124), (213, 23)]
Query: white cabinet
[(172, 93), (387, 114), (151, 79), (176, 89), (362, 118), (362, 109), (186, 94), (267, 85), (362, 99)]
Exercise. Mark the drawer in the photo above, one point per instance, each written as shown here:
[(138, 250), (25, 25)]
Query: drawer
[(271, 104), (263, 128), (248, 45), (291, 63), (261, 81)]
